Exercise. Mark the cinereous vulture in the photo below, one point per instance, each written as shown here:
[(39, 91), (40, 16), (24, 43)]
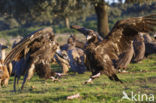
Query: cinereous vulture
[(101, 54), (37, 49)]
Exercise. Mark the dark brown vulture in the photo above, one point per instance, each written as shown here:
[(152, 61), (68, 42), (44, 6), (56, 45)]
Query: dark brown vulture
[(139, 49), (100, 54), (37, 50)]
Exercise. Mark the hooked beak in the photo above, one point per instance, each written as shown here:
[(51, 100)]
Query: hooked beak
[(88, 37)]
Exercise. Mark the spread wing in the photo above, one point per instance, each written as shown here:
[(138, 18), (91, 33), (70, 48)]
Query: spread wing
[(30, 44), (124, 31)]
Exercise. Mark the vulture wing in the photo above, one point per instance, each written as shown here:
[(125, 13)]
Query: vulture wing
[(29, 43), (124, 31), (101, 54)]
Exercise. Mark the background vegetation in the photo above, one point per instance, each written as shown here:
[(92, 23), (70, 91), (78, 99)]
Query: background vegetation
[(15, 20)]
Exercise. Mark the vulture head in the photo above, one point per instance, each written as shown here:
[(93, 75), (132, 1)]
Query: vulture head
[(91, 37), (71, 39)]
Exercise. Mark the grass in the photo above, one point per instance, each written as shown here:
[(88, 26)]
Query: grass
[(140, 79)]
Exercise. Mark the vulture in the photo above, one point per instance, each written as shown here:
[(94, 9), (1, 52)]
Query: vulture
[(76, 54), (72, 41), (100, 55), (139, 49), (36, 51)]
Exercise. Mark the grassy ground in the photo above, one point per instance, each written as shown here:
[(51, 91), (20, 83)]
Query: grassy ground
[(141, 79)]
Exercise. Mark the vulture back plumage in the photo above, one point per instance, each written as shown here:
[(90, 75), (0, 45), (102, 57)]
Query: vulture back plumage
[(101, 54)]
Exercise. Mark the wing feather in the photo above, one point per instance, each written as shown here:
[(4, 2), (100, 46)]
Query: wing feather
[(124, 31), (23, 47)]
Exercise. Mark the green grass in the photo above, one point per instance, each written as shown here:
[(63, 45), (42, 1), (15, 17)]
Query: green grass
[(141, 78)]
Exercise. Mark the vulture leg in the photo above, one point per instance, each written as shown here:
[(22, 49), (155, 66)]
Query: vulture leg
[(28, 75), (114, 77), (92, 77), (18, 79), (15, 84), (25, 78)]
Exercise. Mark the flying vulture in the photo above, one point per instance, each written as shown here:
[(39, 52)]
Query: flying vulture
[(101, 54), (37, 50)]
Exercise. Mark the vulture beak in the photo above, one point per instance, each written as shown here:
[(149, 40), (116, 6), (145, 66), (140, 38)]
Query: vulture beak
[(88, 37)]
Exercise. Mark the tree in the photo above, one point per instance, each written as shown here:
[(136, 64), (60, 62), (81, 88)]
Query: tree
[(45, 11), (56, 11), (101, 9)]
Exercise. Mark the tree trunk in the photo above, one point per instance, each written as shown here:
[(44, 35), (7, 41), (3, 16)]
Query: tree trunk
[(67, 22), (102, 18)]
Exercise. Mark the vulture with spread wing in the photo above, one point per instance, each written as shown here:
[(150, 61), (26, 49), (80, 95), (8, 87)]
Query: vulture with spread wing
[(37, 50), (101, 54)]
